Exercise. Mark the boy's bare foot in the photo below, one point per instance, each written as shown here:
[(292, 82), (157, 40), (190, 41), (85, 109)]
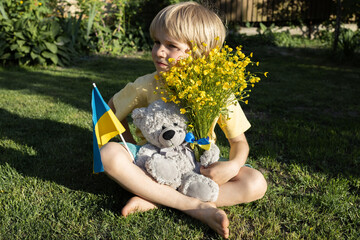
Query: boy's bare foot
[(215, 218), (137, 204)]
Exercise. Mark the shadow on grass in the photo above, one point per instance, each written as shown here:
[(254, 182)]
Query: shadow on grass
[(64, 158), (73, 85), (61, 152)]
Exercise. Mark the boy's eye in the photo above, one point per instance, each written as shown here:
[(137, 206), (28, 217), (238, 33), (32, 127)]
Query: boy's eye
[(156, 42), (172, 46)]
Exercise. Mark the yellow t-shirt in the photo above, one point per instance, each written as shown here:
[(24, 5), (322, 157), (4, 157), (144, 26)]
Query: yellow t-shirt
[(141, 93)]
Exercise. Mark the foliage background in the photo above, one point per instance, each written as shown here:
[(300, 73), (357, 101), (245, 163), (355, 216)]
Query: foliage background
[(45, 32), (305, 133)]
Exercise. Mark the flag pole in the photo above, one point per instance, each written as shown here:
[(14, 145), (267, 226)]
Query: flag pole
[(122, 138)]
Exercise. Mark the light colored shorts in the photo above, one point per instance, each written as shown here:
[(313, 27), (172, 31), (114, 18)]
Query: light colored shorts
[(134, 149)]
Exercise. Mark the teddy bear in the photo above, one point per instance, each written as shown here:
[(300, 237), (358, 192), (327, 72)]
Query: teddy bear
[(167, 157)]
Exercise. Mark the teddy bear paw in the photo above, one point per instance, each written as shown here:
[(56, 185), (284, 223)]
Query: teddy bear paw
[(163, 170), (201, 187), (210, 156)]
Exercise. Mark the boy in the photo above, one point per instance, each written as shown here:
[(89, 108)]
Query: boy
[(174, 30)]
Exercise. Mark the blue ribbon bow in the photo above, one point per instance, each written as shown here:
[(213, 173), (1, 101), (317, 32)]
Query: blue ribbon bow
[(202, 142)]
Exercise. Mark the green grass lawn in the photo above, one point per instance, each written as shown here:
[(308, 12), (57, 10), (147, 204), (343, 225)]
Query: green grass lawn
[(305, 138)]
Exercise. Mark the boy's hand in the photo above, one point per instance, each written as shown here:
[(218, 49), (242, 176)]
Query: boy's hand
[(221, 172)]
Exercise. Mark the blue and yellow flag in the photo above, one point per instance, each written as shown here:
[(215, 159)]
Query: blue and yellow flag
[(105, 126)]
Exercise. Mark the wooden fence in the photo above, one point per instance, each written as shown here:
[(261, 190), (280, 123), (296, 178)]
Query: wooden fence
[(242, 11)]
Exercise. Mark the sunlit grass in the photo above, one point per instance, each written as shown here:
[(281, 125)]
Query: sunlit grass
[(305, 139)]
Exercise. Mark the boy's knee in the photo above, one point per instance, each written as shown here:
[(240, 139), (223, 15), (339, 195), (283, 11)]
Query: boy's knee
[(259, 183), (256, 184), (109, 153)]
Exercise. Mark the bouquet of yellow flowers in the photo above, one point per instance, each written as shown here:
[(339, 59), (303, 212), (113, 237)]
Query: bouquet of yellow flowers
[(204, 86)]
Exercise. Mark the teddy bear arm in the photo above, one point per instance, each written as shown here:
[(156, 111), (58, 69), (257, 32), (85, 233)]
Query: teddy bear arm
[(210, 156), (144, 154)]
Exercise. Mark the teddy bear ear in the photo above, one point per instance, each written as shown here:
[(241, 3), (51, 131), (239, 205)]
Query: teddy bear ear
[(138, 113)]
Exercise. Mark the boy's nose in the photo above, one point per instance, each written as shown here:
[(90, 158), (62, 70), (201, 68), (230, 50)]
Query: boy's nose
[(161, 51)]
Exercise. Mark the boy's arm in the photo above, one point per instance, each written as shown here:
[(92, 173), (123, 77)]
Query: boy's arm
[(127, 134), (239, 149), (224, 171)]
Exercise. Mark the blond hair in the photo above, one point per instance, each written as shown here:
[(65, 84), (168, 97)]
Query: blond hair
[(191, 23)]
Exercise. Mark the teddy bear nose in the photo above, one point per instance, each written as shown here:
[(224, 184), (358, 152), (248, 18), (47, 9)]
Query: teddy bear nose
[(168, 134)]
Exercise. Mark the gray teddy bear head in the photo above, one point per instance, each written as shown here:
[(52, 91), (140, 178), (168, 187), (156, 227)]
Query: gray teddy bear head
[(161, 123)]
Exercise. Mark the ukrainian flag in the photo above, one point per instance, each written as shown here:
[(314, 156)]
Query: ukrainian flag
[(105, 126)]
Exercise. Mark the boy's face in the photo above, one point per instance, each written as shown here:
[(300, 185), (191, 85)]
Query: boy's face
[(164, 48)]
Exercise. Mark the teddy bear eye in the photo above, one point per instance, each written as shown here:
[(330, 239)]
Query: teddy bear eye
[(163, 127), (175, 124)]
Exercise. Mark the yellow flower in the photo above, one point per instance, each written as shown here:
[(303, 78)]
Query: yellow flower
[(156, 77), (217, 38), (40, 4), (164, 99), (21, 2), (226, 86), (201, 85), (197, 69), (265, 74), (170, 60)]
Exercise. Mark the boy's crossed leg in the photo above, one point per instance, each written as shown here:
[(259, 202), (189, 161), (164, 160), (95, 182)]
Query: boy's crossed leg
[(118, 165)]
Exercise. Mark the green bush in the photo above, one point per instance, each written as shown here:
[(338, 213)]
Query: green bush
[(349, 41), (43, 32), (110, 31), (30, 35), (121, 26)]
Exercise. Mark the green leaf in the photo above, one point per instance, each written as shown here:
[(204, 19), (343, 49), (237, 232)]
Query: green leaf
[(25, 49), (41, 60), (55, 29), (20, 42), (54, 58), (62, 40), (19, 35), (60, 63), (263, 27), (34, 55), (63, 54), (32, 29), (5, 56), (52, 47), (13, 47), (19, 55)]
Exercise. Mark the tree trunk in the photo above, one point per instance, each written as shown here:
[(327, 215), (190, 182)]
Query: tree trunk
[(337, 25)]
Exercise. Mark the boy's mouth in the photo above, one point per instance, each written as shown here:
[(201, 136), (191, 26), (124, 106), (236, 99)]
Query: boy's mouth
[(161, 64)]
